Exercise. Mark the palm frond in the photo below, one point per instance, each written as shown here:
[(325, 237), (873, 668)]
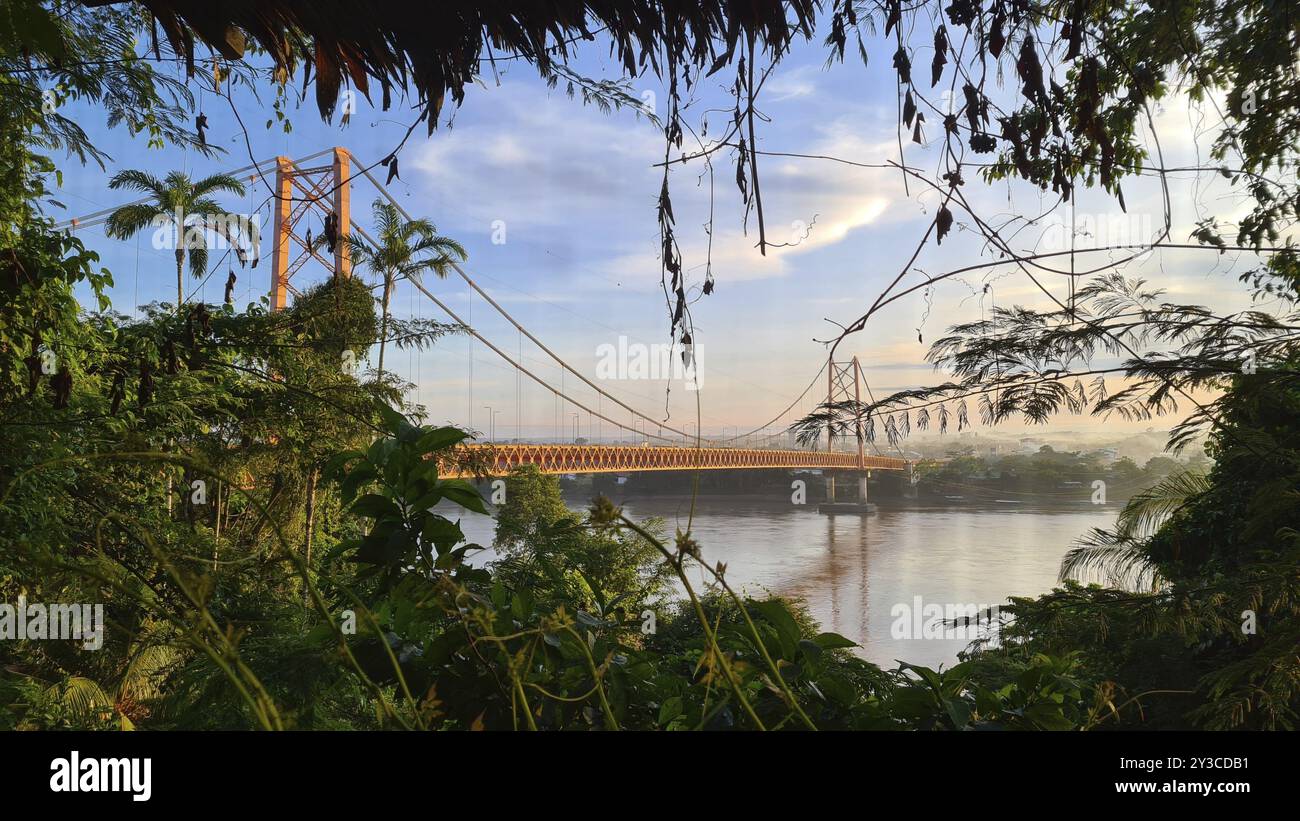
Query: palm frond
[(205, 207), (130, 220), (362, 254), (84, 699), (387, 220), (1148, 510), (218, 182), (198, 254), (1119, 560), (416, 230), (1119, 555), (405, 248), (446, 246), (142, 181), (140, 680)]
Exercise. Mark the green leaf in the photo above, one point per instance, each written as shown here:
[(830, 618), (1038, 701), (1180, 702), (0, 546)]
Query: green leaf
[(363, 474), (376, 507), (927, 675), (838, 689), (397, 424), (385, 549), (958, 711), (335, 465), (833, 641), (521, 606), (428, 500), (775, 613), (987, 703), (1048, 716), (439, 650), (463, 494), (670, 709), (441, 532), (439, 438), (912, 702)]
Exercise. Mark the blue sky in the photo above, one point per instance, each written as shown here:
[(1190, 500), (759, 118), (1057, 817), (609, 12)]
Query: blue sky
[(576, 189)]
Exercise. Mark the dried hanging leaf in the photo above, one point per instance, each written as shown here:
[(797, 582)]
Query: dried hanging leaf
[(894, 17), (903, 65), (940, 56), (942, 224), (1031, 71)]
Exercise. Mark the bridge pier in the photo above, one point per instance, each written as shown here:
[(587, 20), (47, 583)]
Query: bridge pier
[(863, 478), (860, 507)]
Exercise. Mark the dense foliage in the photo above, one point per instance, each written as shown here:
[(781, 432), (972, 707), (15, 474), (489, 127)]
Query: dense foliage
[(275, 537), (1045, 476)]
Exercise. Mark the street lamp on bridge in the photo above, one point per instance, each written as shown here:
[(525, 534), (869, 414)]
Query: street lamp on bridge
[(492, 422)]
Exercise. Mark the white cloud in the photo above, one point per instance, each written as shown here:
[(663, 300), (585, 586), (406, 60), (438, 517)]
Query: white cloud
[(810, 203), (791, 84), (568, 174), (543, 160)]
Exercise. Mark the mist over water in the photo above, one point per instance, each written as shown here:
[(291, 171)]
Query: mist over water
[(851, 571)]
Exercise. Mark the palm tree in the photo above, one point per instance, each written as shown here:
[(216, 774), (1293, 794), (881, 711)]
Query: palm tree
[(181, 204), (1121, 554), (127, 695), (406, 248)]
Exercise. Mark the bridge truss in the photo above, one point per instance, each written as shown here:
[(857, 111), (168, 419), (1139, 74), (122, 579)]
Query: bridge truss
[(556, 459)]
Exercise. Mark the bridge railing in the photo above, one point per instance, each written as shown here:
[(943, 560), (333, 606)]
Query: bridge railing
[(497, 460)]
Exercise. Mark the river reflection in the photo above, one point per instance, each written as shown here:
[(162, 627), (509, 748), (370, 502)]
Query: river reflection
[(852, 571)]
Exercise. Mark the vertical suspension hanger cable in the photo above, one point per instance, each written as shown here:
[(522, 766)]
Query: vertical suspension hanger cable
[(469, 320), (252, 251), (415, 315), (137, 272), (410, 359), (518, 385), (1071, 277)]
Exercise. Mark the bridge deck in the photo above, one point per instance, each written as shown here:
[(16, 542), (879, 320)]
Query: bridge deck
[(501, 459)]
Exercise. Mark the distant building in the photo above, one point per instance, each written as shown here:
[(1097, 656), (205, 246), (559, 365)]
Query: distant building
[(1106, 456), (1030, 444)]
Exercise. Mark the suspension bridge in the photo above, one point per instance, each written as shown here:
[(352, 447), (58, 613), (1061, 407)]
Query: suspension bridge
[(319, 186)]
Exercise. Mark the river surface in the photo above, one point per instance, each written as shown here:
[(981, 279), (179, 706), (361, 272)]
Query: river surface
[(855, 573)]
